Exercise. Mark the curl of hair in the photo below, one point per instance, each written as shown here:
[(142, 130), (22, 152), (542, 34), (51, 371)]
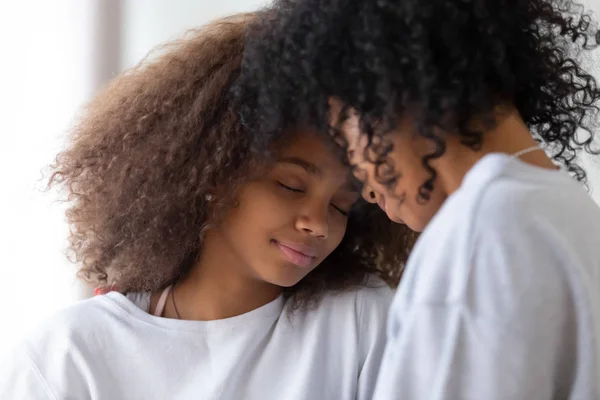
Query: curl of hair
[(446, 63), (155, 160)]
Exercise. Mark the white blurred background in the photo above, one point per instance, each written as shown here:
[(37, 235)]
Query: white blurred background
[(55, 56)]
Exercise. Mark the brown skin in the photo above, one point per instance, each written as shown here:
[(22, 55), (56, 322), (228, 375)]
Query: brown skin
[(161, 182), (303, 200), (401, 204)]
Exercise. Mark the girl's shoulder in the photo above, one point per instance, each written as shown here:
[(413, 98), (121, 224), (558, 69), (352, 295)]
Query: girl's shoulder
[(71, 346), (84, 322), (373, 293), (359, 305), (350, 325)]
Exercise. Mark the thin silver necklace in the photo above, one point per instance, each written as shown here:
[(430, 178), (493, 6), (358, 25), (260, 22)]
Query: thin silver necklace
[(528, 150)]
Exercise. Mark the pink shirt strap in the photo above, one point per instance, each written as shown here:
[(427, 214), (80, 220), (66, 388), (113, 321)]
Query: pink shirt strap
[(162, 301)]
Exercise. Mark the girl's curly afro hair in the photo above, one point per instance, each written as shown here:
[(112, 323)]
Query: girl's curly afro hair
[(155, 161), (446, 62)]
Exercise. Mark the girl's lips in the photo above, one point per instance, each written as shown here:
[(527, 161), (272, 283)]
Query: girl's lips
[(297, 254)]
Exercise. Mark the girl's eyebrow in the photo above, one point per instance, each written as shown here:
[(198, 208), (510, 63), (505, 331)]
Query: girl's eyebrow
[(352, 184), (306, 165)]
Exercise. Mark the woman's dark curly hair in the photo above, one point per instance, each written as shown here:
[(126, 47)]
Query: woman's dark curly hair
[(156, 159), (447, 63)]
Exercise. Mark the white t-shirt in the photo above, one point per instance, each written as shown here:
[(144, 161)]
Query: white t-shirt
[(110, 348), (501, 297)]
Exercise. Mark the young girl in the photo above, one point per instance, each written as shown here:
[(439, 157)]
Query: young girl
[(236, 274), (444, 107)]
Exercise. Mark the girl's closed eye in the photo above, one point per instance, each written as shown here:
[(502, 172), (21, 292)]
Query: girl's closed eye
[(295, 188), (340, 210), (345, 206), (290, 188)]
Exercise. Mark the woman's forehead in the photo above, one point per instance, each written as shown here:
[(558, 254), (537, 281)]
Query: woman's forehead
[(345, 122)]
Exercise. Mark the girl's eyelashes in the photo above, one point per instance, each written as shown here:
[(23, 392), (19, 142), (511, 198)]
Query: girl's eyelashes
[(289, 188), (295, 190), (344, 213), (354, 205)]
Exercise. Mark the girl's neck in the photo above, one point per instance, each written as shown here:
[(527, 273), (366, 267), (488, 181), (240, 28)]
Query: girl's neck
[(218, 286), (509, 136)]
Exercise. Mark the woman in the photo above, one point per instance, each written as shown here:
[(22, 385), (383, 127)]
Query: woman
[(235, 273), (444, 108)]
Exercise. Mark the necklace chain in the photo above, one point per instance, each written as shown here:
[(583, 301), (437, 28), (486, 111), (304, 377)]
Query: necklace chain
[(528, 150)]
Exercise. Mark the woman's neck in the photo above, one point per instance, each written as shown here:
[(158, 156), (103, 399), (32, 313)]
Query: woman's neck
[(218, 286), (509, 136)]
